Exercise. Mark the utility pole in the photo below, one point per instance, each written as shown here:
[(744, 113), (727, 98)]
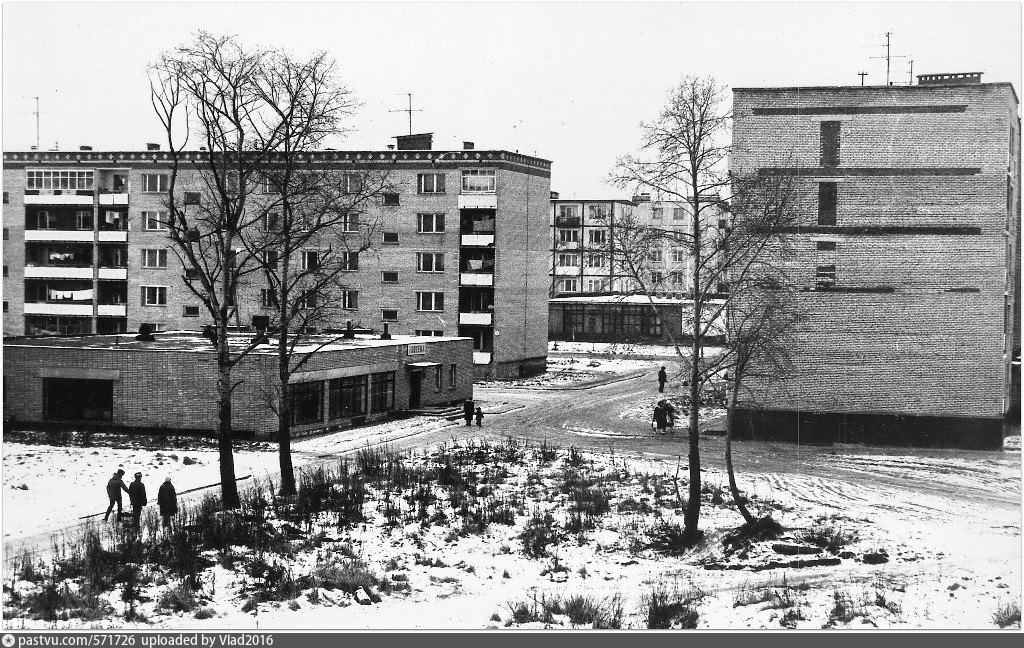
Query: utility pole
[(862, 75), (408, 110), (911, 82)]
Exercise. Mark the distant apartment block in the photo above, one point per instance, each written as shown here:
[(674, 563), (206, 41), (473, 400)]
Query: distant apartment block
[(463, 249), (908, 258)]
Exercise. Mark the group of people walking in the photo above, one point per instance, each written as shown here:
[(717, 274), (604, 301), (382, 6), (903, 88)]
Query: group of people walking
[(166, 498), (664, 419)]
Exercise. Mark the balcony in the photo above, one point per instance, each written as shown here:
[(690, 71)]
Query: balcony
[(59, 235), (53, 199), (481, 357), (476, 279), (478, 201), (113, 198), (58, 308), (58, 272), (114, 273), (479, 240), (567, 270), (484, 319), (114, 310)]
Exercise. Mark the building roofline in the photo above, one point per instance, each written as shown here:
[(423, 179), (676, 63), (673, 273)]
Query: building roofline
[(465, 156), (624, 201), (856, 88)]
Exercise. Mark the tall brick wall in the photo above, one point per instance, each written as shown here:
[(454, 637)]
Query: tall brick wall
[(930, 342)]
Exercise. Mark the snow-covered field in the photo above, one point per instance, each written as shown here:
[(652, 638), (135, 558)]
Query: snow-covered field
[(432, 558), (613, 349), (570, 372)]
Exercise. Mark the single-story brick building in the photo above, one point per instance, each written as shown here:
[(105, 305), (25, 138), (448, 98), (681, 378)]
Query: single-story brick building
[(169, 385), (627, 318)]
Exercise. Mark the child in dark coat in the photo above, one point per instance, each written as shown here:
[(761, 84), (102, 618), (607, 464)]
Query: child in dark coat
[(479, 417), (114, 487), (167, 500), (137, 497)]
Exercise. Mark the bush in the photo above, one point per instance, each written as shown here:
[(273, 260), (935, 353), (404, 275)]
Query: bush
[(179, 598), (590, 501), (538, 534), (830, 537), (347, 575), (1007, 615), (670, 538), (665, 608), (584, 610), (205, 613)]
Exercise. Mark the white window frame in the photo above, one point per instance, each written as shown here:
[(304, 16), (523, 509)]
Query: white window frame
[(349, 299), (434, 258), (349, 261), (383, 311), (479, 173), (384, 280), (268, 298), (158, 292), (155, 258), (597, 237), (568, 260), (163, 182), (154, 221), (568, 236), (570, 285), (310, 254), (597, 261), (350, 221), (424, 219), (424, 186), (59, 179), (425, 299), (678, 255)]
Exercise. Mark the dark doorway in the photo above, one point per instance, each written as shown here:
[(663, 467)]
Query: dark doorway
[(415, 383), (77, 399)]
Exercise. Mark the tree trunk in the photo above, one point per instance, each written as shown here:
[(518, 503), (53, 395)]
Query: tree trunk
[(284, 413), (228, 485), (692, 513), (729, 422)]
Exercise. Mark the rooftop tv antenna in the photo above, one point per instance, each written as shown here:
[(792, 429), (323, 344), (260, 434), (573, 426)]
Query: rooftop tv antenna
[(35, 112), (888, 55), (862, 75), (408, 110)]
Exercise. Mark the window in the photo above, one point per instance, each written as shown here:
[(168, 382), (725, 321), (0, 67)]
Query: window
[(830, 143), (155, 182), (453, 374), (596, 285), (827, 201), (308, 300), (568, 260), (6, 271), (657, 278), (596, 261), (270, 258), (310, 260), (7, 234), (46, 220), (678, 213), (349, 261), (346, 397), (389, 276), (389, 315), (656, 255), (430, 183), (154, 221), (656, 213), (307, 402), (429, 332), (267, 186), (350, 299), (599, 212), (438, 378), (676, 278), (59, 180), (567, 211), (478, 181), (351, 183), (6, 306), (390, 200), (154, 295), (154, 258), (382, 392), (825, 276), (192, 198), (271, 222), (568, 236), (7, 198), (192, 274), (598, 237), (190, 311), (390, 238), (678, 255), (570, 285), (430, 301), (350, 222), (83, 220), (430, 261), (268, 298), (826, 246), (430, 223)]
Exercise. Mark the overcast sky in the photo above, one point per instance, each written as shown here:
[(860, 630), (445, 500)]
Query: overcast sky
[(569, 82)]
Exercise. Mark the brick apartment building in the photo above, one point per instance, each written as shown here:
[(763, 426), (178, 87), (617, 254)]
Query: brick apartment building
[(584, 246), (908, 258), (462, 250), (118, 382)]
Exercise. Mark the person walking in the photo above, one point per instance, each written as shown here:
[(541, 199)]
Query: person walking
[(662, 379), (660, 417), (114, 487), (167, 500), (137, 497), (479, 417), (467, 412)]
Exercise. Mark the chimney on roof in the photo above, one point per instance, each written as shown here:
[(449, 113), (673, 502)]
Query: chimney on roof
[(417, 142), (554, 195), (468, 146), (960, 78), (385, 335), (391, 147), (152, 146), (349, 331), (84, 148)]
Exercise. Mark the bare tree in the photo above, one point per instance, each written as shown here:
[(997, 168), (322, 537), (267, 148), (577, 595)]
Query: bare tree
[(684, 155)]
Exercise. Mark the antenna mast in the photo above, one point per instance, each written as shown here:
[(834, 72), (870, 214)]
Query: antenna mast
[(408, 110), (888, 56)]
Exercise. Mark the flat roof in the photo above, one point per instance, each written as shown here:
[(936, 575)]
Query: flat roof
[(628, 299), (902, 88), (193, 341)]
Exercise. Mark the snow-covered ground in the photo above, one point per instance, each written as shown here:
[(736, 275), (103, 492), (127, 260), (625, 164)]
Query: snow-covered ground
[(615, 349), (936, 564), (570, 372)]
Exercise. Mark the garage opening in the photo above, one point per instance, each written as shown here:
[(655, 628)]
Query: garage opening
[(78, 399)]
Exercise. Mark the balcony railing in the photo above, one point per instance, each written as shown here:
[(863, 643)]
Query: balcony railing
[(58, 308), (58, 272), (484, 319), (55, 199), (480, 240), (113, 198), (482, 357), (476, 278), (59, 235), (478, 201)]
